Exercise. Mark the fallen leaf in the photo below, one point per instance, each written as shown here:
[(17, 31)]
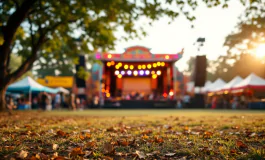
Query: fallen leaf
[(240, 144), (42, 156), (123, 143), (108, 148), (159, 140), (90, 144), (170, 154), (76, 151), (23, 154), (140, 154), (233, 151), (145, 137), (55, 146), (59, 158)]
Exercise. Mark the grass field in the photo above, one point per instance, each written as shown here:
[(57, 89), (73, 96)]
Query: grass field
[(133, 134)]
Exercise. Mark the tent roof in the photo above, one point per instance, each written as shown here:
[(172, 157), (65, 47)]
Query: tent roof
[(252, 81), (28, 84), (236, 80), (63, 90), (215, 85)]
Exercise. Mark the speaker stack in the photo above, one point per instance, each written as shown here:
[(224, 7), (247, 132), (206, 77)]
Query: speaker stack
[(80, 83), (199, 78)]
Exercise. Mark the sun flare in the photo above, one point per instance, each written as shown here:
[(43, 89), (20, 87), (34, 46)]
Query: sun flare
[(260, 51)]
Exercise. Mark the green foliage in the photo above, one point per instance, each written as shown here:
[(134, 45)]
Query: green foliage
[(82, 73), (15, 62)]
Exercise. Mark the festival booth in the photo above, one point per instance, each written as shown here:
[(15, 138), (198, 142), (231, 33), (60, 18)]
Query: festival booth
[(62, 90), (252, 86), (28, 86), (138, 78)]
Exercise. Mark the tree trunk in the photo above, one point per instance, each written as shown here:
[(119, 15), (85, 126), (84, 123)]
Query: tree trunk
[(2, 98)]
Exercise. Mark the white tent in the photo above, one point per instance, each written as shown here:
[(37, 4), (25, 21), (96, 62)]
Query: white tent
[(230, 84), (252, 81), (63, 90), (191, 87), (207, 84), (215, 85)]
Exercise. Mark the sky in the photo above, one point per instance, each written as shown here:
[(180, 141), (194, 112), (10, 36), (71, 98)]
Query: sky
[(214, 24)]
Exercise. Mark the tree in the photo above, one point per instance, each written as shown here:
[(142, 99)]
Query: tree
[(36, 28), (15, 62)]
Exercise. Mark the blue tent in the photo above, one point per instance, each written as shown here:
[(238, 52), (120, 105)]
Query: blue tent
[(28, 85)]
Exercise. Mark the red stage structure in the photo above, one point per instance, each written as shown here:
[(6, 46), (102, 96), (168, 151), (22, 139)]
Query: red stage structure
[(137, 71)]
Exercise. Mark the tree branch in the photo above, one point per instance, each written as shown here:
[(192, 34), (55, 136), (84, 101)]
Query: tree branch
[(10, 29), (31, 32), (16, 3)]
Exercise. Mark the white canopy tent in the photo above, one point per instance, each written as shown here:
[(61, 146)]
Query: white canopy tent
[(230, 84), (252, 81), (215, 85), (63, 90)]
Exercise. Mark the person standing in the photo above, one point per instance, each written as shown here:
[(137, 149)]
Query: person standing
[(48, 102), (186, 100), (57, 101)]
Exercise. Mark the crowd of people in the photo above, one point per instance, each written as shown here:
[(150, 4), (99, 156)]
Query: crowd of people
[(45, 101)]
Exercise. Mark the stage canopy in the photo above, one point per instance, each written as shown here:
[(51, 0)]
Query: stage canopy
[(252, 82), (215, 85), (27, 85)]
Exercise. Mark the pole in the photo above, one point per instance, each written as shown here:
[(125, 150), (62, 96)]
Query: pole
[(30, 97), (174, 80), (101, 98)]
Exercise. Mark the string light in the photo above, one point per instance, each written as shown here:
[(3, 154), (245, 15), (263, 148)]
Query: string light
[(109, 55), (139, 67), (117, 67), (112, 63), (167, 56), (120, 64), (141, 72), (149, 66), (129, 72), (119, 76), (158, 73), (122, 72), (154, 76), (135, 73), (116, 72), (162, 64), (154, 65), (126, 66), (108, 95), (147, 72), (131, 67), (143, 66), (158, 63), (153, 72), (108, 64)]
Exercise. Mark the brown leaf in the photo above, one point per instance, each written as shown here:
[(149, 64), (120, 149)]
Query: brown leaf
[(27, 126), (76, 151), (107, 158), (123, 143), (62, 134), (59, 158), (42, 156), (147, 132), (145, 137), (240, 144), (108, 148), (233, 151), (159, 140), (140, 154), (90, 144)]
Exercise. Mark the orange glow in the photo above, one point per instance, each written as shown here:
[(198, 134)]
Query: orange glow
[(167, 57), (109, 55), (108, 64), (149, 66), (158, 63), (108, 95), (154, 65), (158, 73), (165, 95), (119, 76), (131, 66), (153, 72), (120, 64), (162, 64), (143, 66), (107, 91), (135, 73), (126, 66), (103, 90), (139, 67), (112, 63), (171, 93), (154, 76)]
